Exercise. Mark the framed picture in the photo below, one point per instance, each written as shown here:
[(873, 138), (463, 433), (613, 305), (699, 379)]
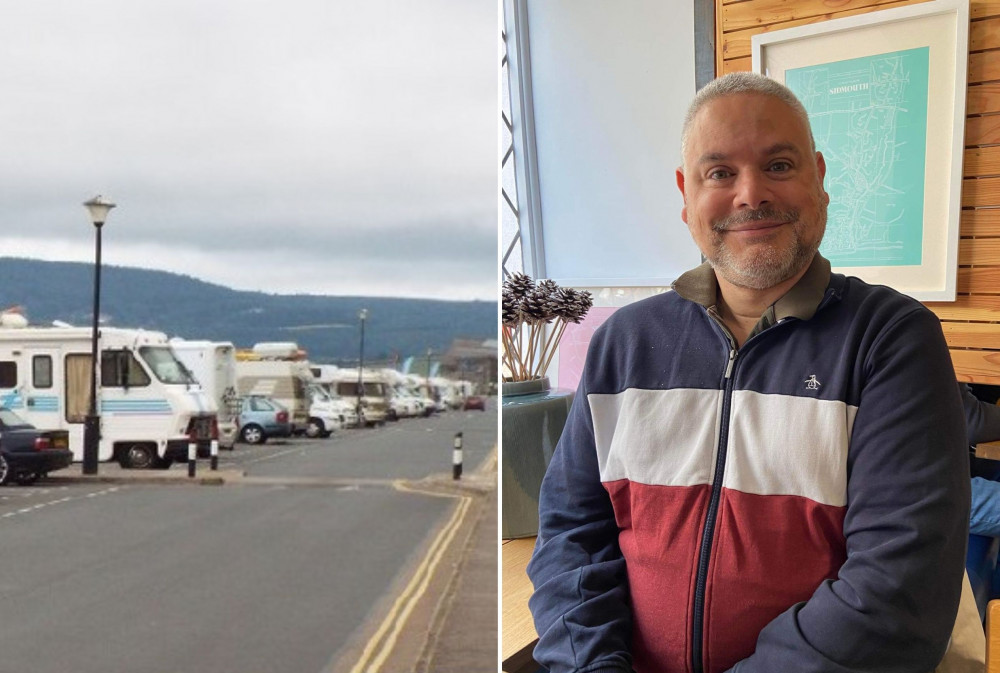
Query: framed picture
[(885, 93)]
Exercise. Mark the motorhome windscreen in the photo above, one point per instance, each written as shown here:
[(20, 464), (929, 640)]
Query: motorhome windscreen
[(373, 389), (165, 365)]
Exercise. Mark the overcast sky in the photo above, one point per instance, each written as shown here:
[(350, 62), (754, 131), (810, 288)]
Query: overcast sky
[(292, 146)]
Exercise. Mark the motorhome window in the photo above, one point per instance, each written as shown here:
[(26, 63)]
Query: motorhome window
[(41, 371), (77, 371), (120, 369), (8, 374), (373, 389), (165, 365)]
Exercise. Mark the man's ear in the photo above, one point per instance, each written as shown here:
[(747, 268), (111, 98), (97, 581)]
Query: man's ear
[(821, 172), (679, 174)]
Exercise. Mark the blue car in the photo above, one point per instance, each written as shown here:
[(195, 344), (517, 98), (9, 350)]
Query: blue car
[(261, 418)]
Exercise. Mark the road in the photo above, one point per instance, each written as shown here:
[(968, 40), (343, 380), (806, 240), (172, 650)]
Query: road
[(289, 570)]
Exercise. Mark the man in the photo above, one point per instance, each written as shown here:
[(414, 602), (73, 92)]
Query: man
[(982, 423), (765, 469)]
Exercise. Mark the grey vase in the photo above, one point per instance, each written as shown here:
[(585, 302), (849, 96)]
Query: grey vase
[(533, 420)]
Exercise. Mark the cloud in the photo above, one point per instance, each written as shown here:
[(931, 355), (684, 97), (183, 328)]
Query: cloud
[(357, 133)]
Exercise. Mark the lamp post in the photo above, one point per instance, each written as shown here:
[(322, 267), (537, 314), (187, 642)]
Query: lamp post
[(98, 208), (362, 316)]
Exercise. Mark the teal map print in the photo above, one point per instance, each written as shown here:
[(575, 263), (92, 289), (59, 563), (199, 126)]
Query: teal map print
[(869, 118)]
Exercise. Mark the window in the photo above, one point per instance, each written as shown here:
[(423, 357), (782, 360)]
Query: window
[(165, 365), (120, 369), (77, 372), (41, 371), (8, 374)]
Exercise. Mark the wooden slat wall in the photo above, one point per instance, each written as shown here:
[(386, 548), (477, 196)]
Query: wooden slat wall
[(972, 323)]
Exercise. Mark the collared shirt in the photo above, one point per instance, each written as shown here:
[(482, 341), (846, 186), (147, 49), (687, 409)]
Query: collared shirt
[(801, 301)]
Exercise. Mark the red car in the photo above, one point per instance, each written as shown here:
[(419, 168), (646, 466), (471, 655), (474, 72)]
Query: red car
[(475, 402)]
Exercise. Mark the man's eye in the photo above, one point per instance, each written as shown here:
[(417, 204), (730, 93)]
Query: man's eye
[(781, 166), (718, 174)]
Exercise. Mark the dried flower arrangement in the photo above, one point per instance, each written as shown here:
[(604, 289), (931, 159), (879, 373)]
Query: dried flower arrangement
[(526, 308)]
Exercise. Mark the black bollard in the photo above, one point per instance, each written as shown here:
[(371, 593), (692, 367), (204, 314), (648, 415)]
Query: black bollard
[(456, 458), (192, 458), (215, 454)]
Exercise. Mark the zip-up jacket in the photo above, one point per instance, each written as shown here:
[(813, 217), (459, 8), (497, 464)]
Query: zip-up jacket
[(797, 504)]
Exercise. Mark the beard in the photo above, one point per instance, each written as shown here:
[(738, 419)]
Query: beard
[(763, 266)]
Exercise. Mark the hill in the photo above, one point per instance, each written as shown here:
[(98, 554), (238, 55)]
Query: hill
[(326, 326)]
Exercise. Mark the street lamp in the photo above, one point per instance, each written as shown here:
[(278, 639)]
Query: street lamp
[(362, 316), (98, 208)]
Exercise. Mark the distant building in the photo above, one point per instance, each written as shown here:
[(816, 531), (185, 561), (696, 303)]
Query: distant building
[(472, 360)]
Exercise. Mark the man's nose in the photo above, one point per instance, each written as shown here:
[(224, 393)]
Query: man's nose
[(752, 190)]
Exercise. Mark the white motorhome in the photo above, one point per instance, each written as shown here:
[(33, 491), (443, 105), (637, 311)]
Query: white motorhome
[(373, 395), (150, 408), (213, 364), (280, 370)]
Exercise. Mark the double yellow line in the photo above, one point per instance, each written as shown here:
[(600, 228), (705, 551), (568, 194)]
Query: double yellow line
[(380, 646)]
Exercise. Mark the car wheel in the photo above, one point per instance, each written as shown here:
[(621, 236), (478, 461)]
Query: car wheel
[(253, 434), (26, 478), (140, 457), (315, 428), (4, 471)]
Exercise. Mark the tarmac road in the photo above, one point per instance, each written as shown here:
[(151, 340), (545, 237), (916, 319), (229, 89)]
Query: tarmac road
[(294, 567)]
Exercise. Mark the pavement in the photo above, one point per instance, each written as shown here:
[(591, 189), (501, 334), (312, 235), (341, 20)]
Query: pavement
[(455, 626)]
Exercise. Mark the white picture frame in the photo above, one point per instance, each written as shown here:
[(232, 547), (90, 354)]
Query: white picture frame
[(844, 69)]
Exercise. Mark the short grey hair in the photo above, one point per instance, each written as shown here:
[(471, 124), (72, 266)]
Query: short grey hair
[(745, 83)]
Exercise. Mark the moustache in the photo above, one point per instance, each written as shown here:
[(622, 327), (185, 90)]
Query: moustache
[(755, 215)]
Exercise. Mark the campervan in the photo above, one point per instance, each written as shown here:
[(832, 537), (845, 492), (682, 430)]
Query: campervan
[(280, 370), (213, 365), (372, 396), (150, 408)]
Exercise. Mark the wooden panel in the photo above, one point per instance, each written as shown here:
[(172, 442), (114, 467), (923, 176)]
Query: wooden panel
[(737, 65), (981, 161), (758, 13), (980, 9), (982, 130), (993, 637), (972, 334), (977, 366), (983, 98), (980, 280), (517, 627), (979, 251), (981, 191), (984, 308), (984, 66), (984, 34), (981, 222), (736, 44)]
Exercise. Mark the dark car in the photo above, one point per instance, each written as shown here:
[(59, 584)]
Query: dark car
[(262, 417), (475, 402), (27, 453)]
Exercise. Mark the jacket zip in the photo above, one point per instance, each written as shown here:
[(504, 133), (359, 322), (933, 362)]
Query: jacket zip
[(708, 532)]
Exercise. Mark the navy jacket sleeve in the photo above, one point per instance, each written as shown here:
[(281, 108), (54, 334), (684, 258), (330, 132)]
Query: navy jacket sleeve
[(982, 419), (893, 605), (580, 605)]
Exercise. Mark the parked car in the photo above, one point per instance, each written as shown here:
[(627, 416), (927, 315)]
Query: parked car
[(262, 418), (27, 453), (475, 402)]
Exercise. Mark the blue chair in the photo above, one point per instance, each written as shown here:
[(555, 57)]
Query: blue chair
[(981, 564)]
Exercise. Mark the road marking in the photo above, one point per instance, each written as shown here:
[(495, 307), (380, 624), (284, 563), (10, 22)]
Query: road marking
[(378, 650), (34, 508)]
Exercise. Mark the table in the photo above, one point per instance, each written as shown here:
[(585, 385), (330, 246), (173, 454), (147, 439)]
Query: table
[(518, 635)]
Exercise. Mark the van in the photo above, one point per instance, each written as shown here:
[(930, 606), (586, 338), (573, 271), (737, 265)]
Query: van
[(149, 406), (213, 365), (371, 397)]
